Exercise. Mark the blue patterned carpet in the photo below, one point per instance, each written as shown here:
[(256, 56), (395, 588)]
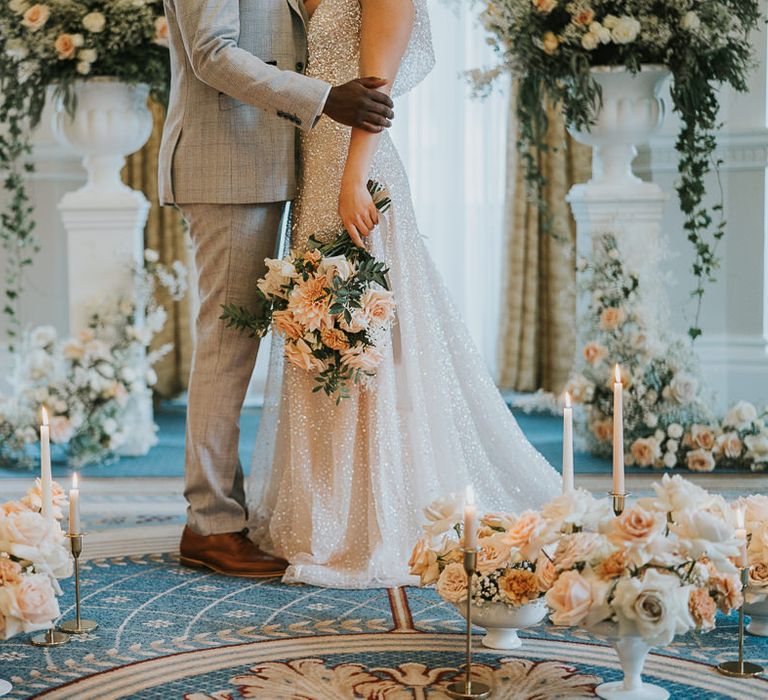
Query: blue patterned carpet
[(170, 632)]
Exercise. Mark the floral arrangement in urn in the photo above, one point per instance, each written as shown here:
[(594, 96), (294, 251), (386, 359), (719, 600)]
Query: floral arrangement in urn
[(667, 421), (60, 43), (88, 381), (33, 557), (553, 47), (661, 568), (331, 305), (755, 509)]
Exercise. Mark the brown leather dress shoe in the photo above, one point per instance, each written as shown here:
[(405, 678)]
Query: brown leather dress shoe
[(231, 554)]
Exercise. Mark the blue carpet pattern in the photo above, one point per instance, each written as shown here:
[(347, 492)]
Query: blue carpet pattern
[(170, 632)]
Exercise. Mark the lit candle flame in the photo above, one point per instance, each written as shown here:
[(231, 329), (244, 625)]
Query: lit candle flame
[(469, 496), (45, 416), (567, 399), (74, 480), (617, 374)]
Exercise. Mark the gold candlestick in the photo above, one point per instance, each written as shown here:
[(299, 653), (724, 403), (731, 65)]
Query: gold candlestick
[(741, 668), (619, 502), (78, 625), (468, 689), (49, 638)]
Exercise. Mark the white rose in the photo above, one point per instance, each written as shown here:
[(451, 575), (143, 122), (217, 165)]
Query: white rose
[(589, 41), (151, 377), (83, 67), (651, 420), (675, 430), (675, 494), (18, 6), (673, 445), (443, 514), (61, 430), (151, 256), (626, 30), (604, 34), (690, 21), (683, 388), (610, 21), (336, 265), (757, 447), (109, 426), (655, 606), (87, 55), (43, 336), (94, 22), (703, 534), (16, 49), (577, 507), (670, 460), (741, 416)]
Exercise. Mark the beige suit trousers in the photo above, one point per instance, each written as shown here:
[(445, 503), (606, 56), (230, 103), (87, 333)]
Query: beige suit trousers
[(230, 243)]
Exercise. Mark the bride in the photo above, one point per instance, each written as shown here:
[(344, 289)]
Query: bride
[(338, 490)]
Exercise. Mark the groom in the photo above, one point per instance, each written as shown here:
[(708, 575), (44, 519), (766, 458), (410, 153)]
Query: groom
[(228, 160)]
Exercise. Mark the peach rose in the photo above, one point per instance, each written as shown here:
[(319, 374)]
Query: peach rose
[(24, 528), (498, 521), (580, 389), (584, 18), (312, 256), (613, 566), (702, 608), (594, 353), (161, 31), (494, 553), (570, 599), (300, 355), (62, 430), (729, 445), (703, 437), (636, 526), (550, 42), (545, 6), (335, 339), (612, 317), (519, 586), (602, 430), (34, 499), (65, 46), (727, 588), (285, 324), (423, 562), (758, 577), (700, 461), (575, 549), (365, 358), (33, 600), (10, 572), (645, 452), (36, 17), (310, 302), (452, 584), (546, 574), (379, 306), (523, 534), (13, 507)]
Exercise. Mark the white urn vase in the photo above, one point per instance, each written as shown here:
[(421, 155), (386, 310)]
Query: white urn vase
[(632, 651), (502, 622), (111, 120), (758, 612), (630, 113)]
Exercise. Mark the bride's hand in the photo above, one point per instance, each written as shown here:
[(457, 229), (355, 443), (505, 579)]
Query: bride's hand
[(357, 210)]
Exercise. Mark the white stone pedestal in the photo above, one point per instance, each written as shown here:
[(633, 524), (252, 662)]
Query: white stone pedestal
[(105, 244)]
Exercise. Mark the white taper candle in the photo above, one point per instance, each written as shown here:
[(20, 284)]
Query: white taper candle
[(74, 507), (46, 477), (618, 433), (470, 519), (568, 479)]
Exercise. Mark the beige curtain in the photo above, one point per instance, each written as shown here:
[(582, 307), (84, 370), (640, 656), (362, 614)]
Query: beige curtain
[(165, 234), (539, 296)]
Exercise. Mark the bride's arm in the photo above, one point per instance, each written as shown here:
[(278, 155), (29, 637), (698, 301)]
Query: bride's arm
[(386, 29)]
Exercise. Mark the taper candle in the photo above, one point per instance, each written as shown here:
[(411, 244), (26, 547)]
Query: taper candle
[(470, 519), (741, 536), (568, 484), (74, 507), (46, 478), (618, 432)]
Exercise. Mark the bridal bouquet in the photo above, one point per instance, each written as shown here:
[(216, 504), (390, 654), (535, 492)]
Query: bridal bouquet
[(661, 568), (32, 559), (512, 568), (332, 306)]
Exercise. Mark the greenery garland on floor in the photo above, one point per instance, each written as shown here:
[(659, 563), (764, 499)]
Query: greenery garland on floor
[(58, 44), (551, 47)]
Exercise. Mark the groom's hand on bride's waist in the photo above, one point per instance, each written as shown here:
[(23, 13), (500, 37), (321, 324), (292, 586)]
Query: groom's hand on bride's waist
[(360, 104)]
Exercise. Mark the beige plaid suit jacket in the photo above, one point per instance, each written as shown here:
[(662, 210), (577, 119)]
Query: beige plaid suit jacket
[(236, 99)]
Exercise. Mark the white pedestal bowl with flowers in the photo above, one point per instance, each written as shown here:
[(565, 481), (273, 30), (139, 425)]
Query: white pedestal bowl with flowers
[(755, 510), (660, 569), (512, 573)]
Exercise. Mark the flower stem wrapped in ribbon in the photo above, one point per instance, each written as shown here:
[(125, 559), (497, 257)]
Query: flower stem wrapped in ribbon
[(331, 304)]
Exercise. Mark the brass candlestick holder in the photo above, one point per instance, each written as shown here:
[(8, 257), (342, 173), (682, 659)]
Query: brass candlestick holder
[(619, 502), (468, 689), (741, 668), (78, 625), (49, 638)]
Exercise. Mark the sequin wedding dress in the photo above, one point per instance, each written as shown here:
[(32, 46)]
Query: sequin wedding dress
[(339, 490)]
